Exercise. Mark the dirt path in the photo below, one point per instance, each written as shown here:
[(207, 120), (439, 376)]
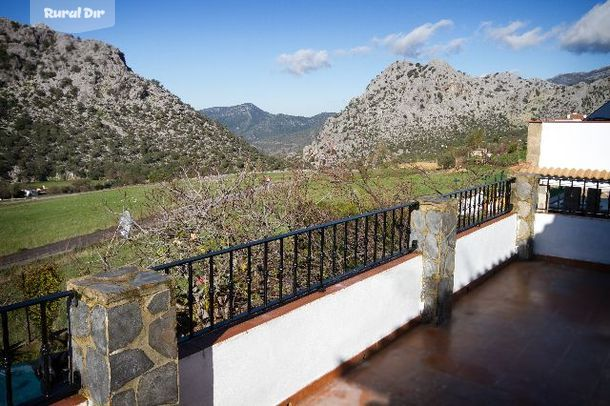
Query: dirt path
[(28, 255), (31, 254)]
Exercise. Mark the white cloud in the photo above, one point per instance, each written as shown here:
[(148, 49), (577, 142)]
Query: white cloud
[(509, 35), (359, 50), (304, 61), (452, 47), (591, 33), (411, 44)]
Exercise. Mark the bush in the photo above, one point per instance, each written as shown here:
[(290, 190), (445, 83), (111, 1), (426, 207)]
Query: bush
[(80, 185), (4, 57), (41, 280), (47, 74), (9, 190), (446, 160)]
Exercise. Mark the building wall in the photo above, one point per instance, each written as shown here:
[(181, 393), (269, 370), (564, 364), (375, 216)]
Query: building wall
[(577, 145), (480, 251), (275, 359), (572, 237)]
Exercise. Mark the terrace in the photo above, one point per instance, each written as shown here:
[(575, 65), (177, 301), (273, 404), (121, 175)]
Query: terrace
[(494, 293), (534, 333)]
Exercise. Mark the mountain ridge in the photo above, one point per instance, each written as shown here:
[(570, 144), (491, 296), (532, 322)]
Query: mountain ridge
[(280, 134), (572, 78), (74, 108), (413, 110)]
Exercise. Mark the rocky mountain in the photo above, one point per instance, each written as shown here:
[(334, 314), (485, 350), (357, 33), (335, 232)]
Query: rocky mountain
[(74, 108), (278, 134), (418, 110), (568, 79)]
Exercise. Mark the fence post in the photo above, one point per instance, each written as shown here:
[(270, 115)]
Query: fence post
[(525, 200), (434, 226), (124, 337)]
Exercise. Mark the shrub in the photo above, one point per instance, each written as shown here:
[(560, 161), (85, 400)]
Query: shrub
[(47, 74), (446, 160), (9, 190), (65, 82), (82, 185), (4, 57), (41, 280)]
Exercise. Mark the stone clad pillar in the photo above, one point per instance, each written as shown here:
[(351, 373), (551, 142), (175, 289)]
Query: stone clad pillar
[(534, 136), (124, 338), (434, 226), (525, 200)]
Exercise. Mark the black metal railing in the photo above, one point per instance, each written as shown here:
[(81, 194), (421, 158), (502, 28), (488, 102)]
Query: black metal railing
[(36, 351), (223, 287), (580, 196), (479, 204)]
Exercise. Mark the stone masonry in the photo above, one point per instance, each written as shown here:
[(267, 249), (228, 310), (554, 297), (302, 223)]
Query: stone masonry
[(534, 136), (434, 226), (525, 200), (124, 338)]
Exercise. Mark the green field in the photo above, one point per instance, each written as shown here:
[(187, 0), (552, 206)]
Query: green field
[(36, 222), (33, 223)]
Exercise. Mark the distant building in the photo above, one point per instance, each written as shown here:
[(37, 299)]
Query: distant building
[(571, 148), (480, 154)]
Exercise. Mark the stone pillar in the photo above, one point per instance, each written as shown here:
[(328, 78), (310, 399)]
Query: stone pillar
[(434, 226), (534, 134), (525, 200), (124, 338)]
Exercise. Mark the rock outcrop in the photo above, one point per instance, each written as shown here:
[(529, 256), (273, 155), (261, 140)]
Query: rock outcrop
[(417, 110)]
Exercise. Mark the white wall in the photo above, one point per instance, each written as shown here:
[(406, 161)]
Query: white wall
[(578, 145), (572, 237), (484, 249), (274, 360)]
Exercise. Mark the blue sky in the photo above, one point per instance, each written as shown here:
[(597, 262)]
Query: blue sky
[(304, 57)]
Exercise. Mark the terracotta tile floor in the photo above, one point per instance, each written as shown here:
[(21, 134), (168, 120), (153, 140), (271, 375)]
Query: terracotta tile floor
[(535, 333)]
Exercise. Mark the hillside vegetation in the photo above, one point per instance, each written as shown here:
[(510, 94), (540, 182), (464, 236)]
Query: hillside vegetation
[(278, 134), (73, 108)]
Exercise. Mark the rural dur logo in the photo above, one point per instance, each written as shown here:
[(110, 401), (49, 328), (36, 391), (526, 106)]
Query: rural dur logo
[(73, 16)]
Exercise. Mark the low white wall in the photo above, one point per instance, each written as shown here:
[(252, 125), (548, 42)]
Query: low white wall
[(274, 360), (484, 249), (563, 145), (572, 237)]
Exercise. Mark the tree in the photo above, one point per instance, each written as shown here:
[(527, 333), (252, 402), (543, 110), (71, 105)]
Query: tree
[(446, 160), (476, 137)]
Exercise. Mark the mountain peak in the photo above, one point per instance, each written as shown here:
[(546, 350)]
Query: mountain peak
[(73, 107), (249, 105), (412, 109), (274, 133), (568, 79)]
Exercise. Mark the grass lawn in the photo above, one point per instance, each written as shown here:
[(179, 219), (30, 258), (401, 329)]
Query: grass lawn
[(33, 223), (432, 183), (36, 222)]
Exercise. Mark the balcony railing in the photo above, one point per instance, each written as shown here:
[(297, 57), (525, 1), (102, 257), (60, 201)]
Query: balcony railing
[(224, 287), (36, 351), (479, 204), (578, 196)]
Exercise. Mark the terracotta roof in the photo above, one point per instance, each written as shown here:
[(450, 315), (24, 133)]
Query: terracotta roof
[(563, 172)]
